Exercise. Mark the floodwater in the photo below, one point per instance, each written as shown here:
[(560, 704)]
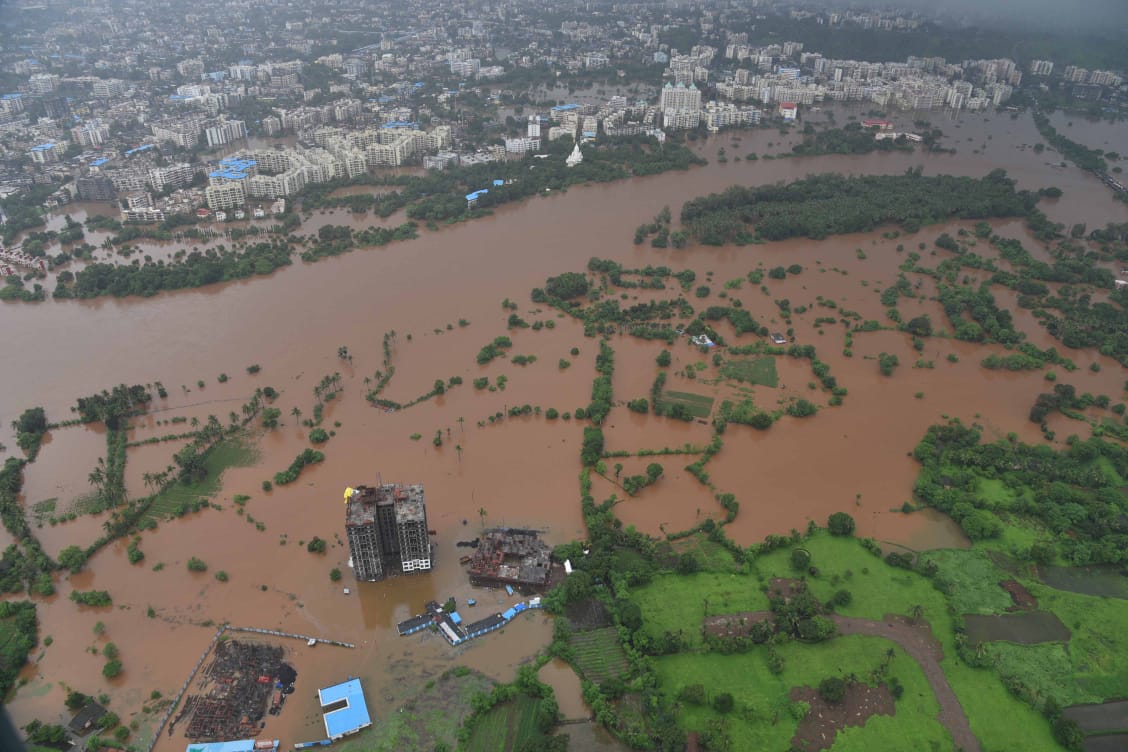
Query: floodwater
[(559, 675), (518, 471)]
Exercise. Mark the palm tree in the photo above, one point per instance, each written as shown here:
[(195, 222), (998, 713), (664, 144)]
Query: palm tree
[(458, 448), (97, 476), (916, 612), (297, 413)]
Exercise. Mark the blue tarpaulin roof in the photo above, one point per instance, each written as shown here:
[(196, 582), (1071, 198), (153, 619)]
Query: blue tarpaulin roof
[(139, 148), (454, 616), (99, 162), (509, 614), (564, 107), (353, 716), (243, 745)]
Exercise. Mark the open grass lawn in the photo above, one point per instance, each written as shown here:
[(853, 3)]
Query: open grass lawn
[(506, 726), (974, 580), (760, 370), (711, 557), (598, 655), (235, 451), (699, 405), (1098, 649), (1094, 665), (434, 715), (763, 718), (889, 590), (672, 603)]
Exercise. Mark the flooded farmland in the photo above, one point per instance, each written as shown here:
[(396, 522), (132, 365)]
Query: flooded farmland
[(518, 471)]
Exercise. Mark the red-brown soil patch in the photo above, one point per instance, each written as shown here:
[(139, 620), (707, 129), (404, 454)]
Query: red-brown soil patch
[(1023, 599), (817, 730), (734, 625)]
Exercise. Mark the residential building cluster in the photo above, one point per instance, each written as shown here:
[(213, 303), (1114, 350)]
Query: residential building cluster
[(109, 102)]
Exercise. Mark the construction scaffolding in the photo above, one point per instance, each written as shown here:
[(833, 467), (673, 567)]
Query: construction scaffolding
[(237, 688), (514, 557)]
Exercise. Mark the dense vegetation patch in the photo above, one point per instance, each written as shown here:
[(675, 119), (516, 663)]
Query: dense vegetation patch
[(1074, 493), (830, 204)]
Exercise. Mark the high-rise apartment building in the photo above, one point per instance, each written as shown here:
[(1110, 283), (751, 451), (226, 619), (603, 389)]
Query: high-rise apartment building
[(386, 526)]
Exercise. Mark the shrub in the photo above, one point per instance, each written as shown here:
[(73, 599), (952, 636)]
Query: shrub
[(111, 669), (335, 574), (551, 414), (221, 576), (318, 436), (95, 598), (316, 546), (800, 559), (840, 523), (254, 368), (801, 408), (664, 358), (197, 565), (723, 703), (693, 694), (832, 689)]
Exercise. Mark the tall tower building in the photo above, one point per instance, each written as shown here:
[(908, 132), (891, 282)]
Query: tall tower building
[(387, 532)]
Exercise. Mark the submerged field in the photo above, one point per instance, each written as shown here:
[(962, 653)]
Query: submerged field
[(887, 335)]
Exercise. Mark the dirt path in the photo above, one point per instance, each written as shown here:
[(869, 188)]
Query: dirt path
[(918, 641)]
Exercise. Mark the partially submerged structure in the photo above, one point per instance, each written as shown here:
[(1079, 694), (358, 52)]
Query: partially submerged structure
[(242, 682), (344, 709), (454, 629), (387, 531), (240, 745), (513, 557)]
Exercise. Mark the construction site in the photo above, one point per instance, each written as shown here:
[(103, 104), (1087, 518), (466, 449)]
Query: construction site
[(515, 558), (243, 681)]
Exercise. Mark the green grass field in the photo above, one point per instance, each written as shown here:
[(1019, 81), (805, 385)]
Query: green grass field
[(672, 603), (598, 655), (434, 715), (506, 726), (711, 557), (232, 452), (760, 370), (974, 581), (699, 405), (762, 719)]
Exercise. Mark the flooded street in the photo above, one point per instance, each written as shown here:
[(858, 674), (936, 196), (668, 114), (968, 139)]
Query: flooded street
[(516, 471)]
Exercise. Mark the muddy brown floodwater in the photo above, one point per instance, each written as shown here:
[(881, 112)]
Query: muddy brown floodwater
[(517, 471)]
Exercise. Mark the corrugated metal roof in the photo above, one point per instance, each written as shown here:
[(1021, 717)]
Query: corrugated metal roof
[(242, 745), (353, 717)]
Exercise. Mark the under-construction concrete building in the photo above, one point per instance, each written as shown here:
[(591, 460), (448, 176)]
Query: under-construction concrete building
[(387, 530)]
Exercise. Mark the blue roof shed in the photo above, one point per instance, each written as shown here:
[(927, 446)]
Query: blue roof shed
[(344, 708)]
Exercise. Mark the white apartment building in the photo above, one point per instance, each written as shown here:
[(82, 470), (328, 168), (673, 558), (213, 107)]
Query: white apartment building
[(90, 134), (681, 119), (680, 97), (226, 195), (173, 176), (522, 145), (727, 115), (184, 133), (225, 131), (109, 87)]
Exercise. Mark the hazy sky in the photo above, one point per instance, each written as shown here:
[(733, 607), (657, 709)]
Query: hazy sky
[(1107, 15)]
